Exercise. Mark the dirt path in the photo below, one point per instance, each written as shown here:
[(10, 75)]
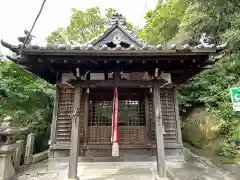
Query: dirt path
[(222, 163), (196, 171)]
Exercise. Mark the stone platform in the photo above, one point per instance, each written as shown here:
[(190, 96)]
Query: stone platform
[(91, 171), (141, 170)]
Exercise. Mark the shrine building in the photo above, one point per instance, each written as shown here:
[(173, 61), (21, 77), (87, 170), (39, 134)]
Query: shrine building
[(85, 76)]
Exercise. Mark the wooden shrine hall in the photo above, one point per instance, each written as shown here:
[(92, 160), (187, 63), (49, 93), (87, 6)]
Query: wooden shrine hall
[(146, 77)]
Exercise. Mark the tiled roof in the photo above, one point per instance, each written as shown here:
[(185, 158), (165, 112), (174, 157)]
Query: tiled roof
[(120, 24), (159, 47)]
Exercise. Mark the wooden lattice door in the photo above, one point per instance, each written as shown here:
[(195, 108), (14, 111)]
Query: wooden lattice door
[(132, 125)]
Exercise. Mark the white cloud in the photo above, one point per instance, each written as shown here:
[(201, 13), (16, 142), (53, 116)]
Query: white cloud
[(16, 15)]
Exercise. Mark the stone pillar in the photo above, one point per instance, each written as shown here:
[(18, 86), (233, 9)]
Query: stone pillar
[(74, 145), (9, 132), (157, 117), (18, 154), (6, 167), (29, 149)]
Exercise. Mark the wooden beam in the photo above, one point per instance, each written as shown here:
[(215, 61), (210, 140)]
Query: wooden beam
[(157, 117), (167, 145), (118, 83), (74, 144), (54, 123), (112, 53), (101, 60)]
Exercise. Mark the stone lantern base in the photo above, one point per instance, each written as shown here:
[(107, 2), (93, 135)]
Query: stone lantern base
[(7, 171)]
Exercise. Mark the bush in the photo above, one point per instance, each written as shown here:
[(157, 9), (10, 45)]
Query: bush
[(227, 149)]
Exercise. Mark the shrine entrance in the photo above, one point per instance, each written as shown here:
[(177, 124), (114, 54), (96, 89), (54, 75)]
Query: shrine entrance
[(132, 121)]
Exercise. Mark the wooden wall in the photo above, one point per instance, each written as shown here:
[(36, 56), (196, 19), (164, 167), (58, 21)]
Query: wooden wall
[(88, 134), (128, 135)]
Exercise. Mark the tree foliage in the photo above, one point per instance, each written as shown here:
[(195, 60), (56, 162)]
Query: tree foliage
[(163, 21), (84, 26), (27, 99)]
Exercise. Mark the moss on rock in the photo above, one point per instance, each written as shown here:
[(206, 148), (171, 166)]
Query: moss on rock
[(200, 130)]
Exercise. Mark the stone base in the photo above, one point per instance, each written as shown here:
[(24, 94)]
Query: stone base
[(40, 157), (125, 155), (7, 171), (158, 178)]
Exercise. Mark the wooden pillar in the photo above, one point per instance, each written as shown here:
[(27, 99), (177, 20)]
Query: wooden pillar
[(157, 117), (54, 124), (147, 119), (74, 145), (117, 76), (179, 132), (86, 117)]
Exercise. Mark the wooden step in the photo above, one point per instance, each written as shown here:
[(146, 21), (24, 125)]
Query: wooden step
[(64, 126), (60, 130)]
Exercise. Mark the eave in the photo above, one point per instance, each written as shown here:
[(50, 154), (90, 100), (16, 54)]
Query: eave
[(118, 53), (49, 61)]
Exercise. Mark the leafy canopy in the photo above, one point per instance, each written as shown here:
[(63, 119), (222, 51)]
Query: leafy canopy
[(28, 99), (84, 26)]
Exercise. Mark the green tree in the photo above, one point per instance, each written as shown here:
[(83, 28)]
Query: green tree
[(28, 99), (84, 26), (163, 22)]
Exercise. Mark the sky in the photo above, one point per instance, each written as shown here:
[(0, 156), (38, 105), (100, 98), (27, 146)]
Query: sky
[(18, 15)]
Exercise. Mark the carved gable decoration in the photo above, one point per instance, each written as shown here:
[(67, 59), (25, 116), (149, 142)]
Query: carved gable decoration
[(117, 35)]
